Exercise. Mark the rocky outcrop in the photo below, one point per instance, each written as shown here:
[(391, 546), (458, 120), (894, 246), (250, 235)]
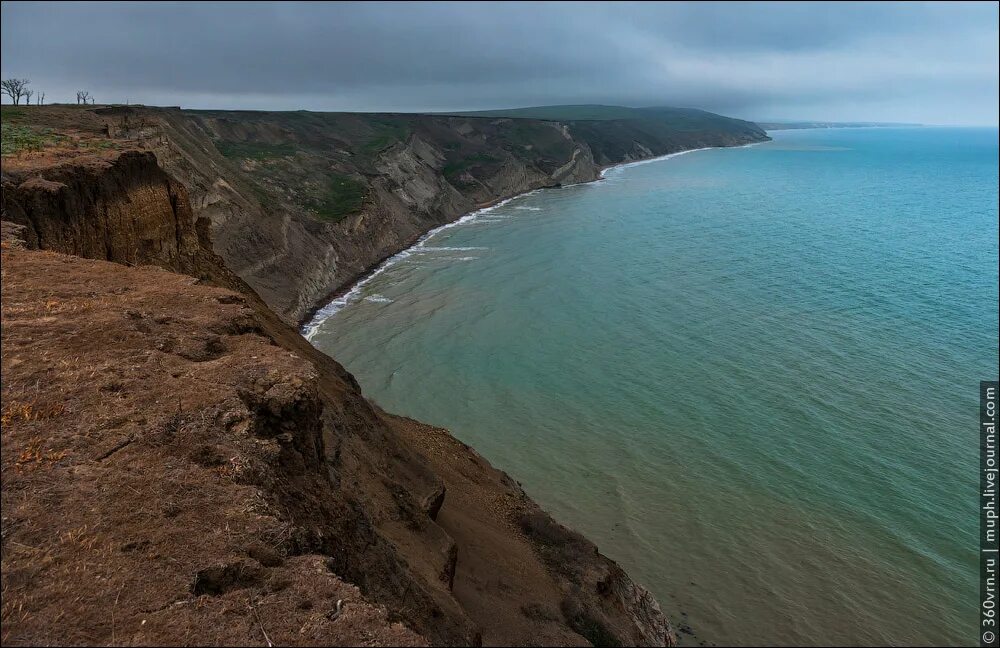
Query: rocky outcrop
[(124, 209), (179, 465)]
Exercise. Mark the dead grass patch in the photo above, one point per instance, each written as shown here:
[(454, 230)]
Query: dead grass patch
[(18, 412), (36, 455)]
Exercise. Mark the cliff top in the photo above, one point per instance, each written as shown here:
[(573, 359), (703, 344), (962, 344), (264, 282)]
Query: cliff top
[(133, 459), (35, 137)]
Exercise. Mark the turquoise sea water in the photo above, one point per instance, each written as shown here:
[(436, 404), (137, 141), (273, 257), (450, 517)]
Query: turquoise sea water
[(749, 375)]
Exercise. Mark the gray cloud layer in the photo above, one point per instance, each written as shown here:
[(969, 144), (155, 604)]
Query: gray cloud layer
[(932, 63)]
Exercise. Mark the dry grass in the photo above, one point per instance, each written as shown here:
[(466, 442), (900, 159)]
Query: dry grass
[(36, 455), (17, 412), (108, 514)]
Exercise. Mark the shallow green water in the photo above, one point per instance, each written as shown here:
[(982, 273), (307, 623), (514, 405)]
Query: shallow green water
[(750, 375)]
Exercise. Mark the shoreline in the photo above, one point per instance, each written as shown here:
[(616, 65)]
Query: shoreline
[(340, 298)]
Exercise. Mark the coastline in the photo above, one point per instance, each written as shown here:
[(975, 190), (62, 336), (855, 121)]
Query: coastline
[(340, 297), (337, 467)]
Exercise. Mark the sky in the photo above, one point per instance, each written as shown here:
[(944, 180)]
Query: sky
[(932, 63)]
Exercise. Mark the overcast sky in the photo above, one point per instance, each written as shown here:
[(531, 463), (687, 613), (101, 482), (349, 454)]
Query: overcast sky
[(929, 63)]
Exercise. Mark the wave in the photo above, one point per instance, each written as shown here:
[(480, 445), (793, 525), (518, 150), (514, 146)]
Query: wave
[(310, 328), (378, 299), (430, 248), (623, 165)]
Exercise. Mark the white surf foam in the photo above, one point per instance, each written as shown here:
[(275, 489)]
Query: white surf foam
[(312, 326), (618, 167), (378, 299), (431, 248), (661, 158)]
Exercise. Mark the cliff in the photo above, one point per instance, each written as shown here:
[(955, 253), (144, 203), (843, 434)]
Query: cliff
[(300, 204), (121, 208), (180, 466)]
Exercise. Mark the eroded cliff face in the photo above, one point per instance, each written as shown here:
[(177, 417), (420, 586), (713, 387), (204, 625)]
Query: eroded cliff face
[(268, 182), (180, 466), (123, 208), (262, 210)]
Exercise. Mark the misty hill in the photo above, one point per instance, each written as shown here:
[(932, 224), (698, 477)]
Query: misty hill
[(675, 118)]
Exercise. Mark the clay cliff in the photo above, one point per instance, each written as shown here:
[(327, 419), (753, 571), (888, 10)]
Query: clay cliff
[(180, 466), (300, 204)]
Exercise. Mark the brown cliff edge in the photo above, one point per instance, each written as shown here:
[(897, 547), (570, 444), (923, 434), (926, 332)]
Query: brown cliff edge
[(179, 466)]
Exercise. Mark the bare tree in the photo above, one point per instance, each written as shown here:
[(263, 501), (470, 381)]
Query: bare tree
[(82, 97), (41, 98), (15, 88), (27, 97)]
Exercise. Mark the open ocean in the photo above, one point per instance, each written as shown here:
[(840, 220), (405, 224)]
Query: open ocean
[(749, 375)]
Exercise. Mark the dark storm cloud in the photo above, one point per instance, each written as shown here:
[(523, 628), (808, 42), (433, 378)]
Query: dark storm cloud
[(922, 62)]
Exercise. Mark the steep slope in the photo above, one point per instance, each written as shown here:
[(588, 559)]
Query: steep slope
[(180, 466), (63, 208), (153, 443), (301, 204)]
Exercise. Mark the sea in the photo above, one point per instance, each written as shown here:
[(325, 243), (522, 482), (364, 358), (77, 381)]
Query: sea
[(750, 375)]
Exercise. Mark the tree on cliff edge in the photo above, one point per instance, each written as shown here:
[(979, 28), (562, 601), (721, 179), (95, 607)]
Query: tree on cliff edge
[(15, 89)]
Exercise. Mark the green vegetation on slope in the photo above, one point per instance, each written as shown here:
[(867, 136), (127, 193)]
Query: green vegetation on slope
[(298, 151), (344, 196), (65, 129), (454, 169), (11, 114), (254, 150), (681, 119), (385, 134), (17, 138)]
